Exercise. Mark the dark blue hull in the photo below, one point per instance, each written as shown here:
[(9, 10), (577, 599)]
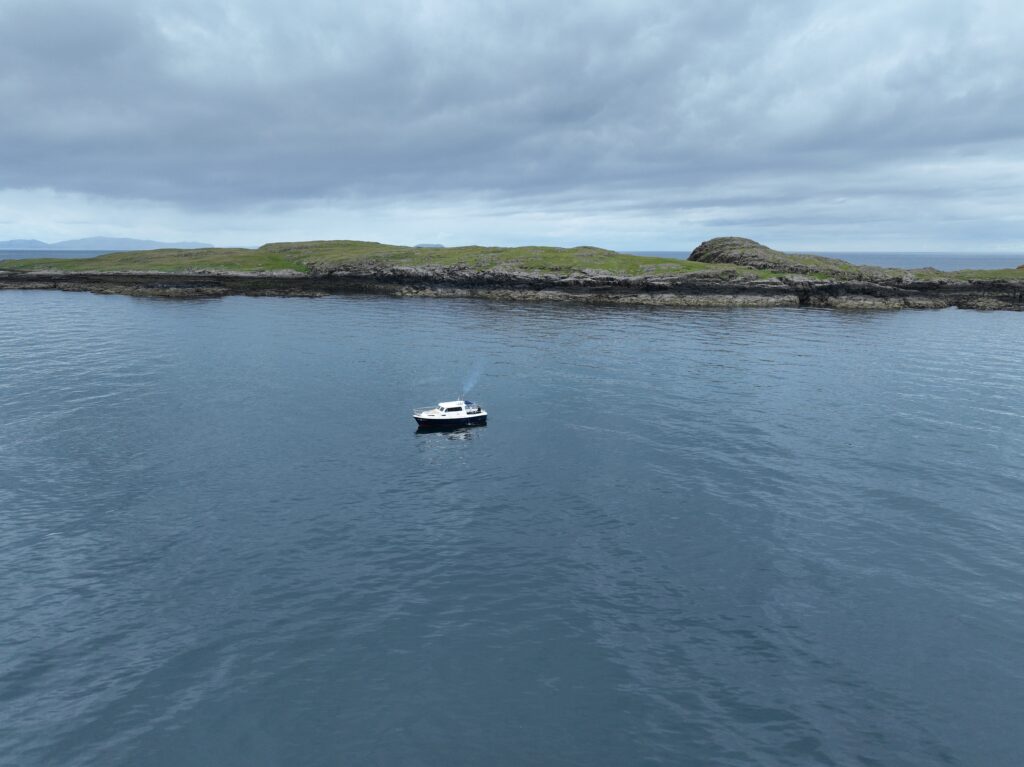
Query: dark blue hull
[(451, 423)]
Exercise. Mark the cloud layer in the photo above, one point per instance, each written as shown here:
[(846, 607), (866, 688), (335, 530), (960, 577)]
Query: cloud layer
[(644, 123)]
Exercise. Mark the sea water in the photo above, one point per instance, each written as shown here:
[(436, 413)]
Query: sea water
[(728, 537)]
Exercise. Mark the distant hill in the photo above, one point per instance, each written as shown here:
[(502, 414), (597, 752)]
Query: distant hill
[(98, 243)]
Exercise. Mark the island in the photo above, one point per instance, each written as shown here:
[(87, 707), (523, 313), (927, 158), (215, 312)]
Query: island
[(726, 271)]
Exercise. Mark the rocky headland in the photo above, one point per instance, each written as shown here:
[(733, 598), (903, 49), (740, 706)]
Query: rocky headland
[(726, 271)]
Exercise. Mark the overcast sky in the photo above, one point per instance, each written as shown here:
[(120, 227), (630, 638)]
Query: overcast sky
[(643, 124)]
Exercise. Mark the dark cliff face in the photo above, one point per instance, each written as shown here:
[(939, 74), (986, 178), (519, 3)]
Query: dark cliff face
[(720, 288)]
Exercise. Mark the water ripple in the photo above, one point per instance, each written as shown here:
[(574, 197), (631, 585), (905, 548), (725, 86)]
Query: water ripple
[(713, 537)]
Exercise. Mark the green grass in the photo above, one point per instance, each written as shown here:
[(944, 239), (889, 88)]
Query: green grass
[(327, 254), (970, 274), (833, 268), (821, 263), (169, 260), (304, 256), (531, 258)]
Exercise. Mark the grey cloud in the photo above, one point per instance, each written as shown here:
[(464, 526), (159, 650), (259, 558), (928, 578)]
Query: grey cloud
[(644, 105)]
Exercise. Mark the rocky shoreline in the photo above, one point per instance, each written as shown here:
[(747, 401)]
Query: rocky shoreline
[(725, 271), (699, 289)]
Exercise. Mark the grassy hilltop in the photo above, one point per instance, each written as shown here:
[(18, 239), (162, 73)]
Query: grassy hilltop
[(333, 254), (729, 256)]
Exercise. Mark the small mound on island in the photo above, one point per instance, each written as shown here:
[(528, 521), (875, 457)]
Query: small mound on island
[(743, 252)]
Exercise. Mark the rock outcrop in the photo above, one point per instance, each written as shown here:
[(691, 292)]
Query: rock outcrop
[(744, 252), (738, 250)]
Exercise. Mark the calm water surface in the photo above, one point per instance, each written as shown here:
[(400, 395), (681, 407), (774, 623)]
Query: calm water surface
[(734, 537)]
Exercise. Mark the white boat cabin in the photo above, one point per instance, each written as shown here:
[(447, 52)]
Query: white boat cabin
[(458, 407)]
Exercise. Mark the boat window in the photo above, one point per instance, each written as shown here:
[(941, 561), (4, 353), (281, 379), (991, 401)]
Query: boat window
[(455, 410)]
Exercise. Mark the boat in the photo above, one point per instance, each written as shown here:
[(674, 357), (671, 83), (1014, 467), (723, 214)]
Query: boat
[(449, 415)]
